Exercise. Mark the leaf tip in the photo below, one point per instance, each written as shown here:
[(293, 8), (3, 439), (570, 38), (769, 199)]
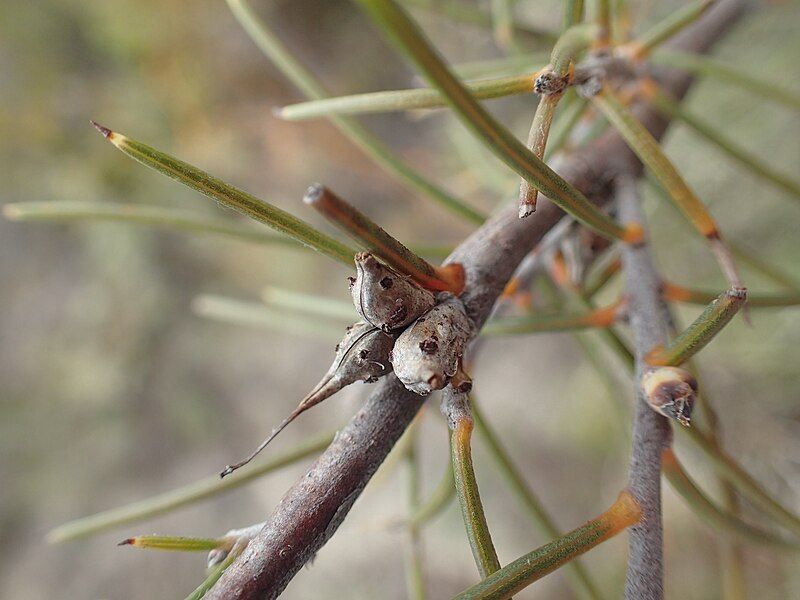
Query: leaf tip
[(314, 193), (127, 542), (107, 133)]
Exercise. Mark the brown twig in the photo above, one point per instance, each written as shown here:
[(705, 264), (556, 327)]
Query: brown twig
[(315, 506), (651, 431)]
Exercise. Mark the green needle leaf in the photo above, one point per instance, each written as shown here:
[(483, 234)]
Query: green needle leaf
[(173, 543), (254, 314), (709, 67), (274, 50), (668, 27), (469, 497), (230, 196), (601, 317), (695, 337), (183, 496), (750, 161), (413, 99), (711, 513), (649, 152), (138, 214), (531, 567), (575, 572), (412, 42)]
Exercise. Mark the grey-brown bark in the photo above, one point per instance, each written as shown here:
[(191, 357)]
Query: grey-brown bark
[(651, 431), (315, 506)]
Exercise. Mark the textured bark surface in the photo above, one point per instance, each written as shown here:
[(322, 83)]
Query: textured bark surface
[(314, 507)]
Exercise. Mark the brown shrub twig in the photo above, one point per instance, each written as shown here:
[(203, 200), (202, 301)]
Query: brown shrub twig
[(314, 507)]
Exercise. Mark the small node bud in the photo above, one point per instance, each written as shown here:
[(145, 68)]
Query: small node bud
[(385, 298), (550, 82), (671, 391)]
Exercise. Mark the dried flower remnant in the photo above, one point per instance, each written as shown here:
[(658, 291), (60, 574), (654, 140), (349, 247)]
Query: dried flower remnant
[(362, 355), (671, 391), (428, 354), (385, 298)]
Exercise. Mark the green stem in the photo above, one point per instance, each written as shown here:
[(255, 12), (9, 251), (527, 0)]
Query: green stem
[(414, 99), (276, 52), (183, 496), (695, 337), (230, 196), (531, 567), (576, 573), (411, 41), (503, 23)]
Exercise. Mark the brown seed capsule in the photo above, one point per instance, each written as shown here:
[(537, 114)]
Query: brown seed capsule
[(671, 391), (362, 355), (428, 354), (386, 298)]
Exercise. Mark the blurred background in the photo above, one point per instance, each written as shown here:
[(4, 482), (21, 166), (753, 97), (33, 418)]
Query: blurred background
[(112, 389)]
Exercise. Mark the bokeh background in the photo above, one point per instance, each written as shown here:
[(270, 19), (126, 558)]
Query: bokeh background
[(112, 389)]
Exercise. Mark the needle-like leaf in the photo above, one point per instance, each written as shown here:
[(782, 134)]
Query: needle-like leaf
[(695, 337), (413, 99), (275, 51), (412, 42), (601, 317), (649, 152), (533, 566), (480, 539), (139, 214), (750, 161), (576, 574), (734, 75), (182, 496), (711, 513), (677, 293), (574, 40), (255, 314), (665, 29), (230, 196), (374, 238), (174, 543)]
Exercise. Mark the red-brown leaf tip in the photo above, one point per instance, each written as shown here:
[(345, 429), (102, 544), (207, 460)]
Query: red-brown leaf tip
[(127, 541), (107, 133)]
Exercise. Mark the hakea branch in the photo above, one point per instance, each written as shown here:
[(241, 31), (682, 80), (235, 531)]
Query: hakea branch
[(651, 432), (316, 505)]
